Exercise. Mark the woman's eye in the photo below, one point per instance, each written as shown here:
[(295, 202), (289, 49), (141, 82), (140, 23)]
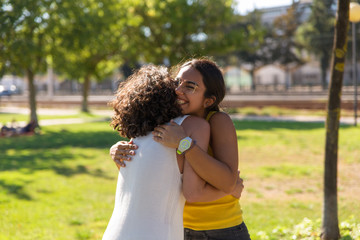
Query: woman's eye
[(190, 87)]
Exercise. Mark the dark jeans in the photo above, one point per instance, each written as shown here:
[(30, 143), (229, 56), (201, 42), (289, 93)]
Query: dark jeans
[(239, 232)]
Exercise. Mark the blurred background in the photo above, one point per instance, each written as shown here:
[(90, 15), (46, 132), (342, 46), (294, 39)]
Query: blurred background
[(60, 57), (84, 48)]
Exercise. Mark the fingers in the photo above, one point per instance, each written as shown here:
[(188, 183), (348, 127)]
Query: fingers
[(124, 152), (160, 128), (126, 146), (122, 155), (121, 152), (157, 139), (158, 133), (121, 158), (120, 163)]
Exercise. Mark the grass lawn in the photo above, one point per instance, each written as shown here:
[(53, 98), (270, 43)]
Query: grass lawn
[(277, 111), (282, 166), (61, 184)]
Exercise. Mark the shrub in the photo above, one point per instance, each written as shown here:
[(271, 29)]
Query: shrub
[(310, 230)]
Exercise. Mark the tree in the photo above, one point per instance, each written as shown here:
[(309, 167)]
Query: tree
[(94, 37), (24, 41), (258, 45), (285, 49), (316, 35), (330, 225), (90, 39), (176, 30)]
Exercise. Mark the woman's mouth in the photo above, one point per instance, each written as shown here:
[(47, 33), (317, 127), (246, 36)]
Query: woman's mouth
[(180, 101)]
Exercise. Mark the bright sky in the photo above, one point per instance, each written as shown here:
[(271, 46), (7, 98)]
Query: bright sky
[(244, 6)]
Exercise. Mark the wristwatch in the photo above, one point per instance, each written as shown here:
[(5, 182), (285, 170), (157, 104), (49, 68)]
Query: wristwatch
[(184, 145)]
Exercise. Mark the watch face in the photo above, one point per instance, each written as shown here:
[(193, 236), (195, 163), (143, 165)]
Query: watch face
[(184, 144)]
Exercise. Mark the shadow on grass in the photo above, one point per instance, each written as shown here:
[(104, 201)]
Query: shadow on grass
[(52, 149), (16, 190)]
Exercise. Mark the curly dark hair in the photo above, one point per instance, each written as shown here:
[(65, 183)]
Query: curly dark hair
[(145, 100)]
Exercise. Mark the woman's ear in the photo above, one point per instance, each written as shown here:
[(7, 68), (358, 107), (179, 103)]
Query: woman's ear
[(209, 101)]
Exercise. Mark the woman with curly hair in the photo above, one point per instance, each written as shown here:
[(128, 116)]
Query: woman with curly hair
[(151, 192)]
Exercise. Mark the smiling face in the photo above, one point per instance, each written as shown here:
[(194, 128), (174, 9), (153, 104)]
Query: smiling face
[(190, 92)]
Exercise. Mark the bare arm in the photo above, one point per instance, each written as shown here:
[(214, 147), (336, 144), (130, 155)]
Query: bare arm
[(196, 189), (221, 170)]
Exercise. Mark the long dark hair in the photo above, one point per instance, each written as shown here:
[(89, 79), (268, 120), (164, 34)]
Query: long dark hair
[(145, 100), (212, 77)]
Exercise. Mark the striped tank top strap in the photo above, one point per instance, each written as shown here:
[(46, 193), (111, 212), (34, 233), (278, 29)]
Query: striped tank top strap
[(210, 114)]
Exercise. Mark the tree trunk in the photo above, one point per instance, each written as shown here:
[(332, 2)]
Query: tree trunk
[(324, 65), (32, 96), (253, 83), (50, 83), (330, 224), (287, 78), (86, 85)]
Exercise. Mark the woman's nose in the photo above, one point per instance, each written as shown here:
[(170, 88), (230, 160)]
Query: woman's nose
[(178, 90)]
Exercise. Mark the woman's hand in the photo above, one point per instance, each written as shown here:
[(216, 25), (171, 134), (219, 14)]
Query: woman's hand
[(169, 135), (238, 188), (121, 151)]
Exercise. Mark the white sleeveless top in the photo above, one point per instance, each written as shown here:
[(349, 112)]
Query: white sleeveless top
[(149, 202)]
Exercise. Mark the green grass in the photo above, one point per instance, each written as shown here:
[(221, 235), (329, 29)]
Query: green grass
[(282, 166), (277, 111), (58, 185), (61, 184)]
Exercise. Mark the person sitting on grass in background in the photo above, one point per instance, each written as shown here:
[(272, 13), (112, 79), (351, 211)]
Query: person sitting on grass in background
[(151, 193), (200, 90), (14, 130)]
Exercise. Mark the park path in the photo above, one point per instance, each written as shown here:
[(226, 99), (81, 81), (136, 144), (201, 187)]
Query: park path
[(106, 114)]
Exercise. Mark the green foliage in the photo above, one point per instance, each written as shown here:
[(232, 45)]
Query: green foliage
[(256, 49), (87, 40), (317, 34), (285, 48), (25, 41), (24, 35), (310, 230), (88, 37), (274, 43), (177, 30)]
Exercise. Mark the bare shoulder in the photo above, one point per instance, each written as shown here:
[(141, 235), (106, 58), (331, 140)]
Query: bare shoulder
[(194, 120), (224, 139), (220, 119), (222, 127), (193, 123)]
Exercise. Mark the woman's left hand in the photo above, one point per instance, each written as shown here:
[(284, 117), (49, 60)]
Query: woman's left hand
[(169, 135), (238, 188)]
